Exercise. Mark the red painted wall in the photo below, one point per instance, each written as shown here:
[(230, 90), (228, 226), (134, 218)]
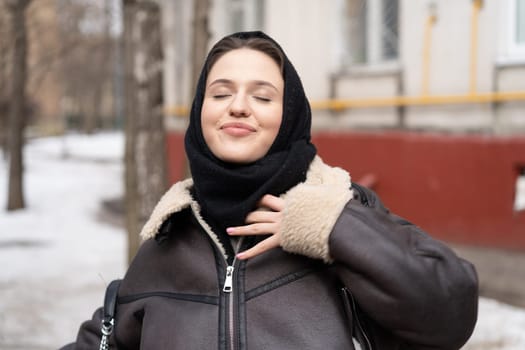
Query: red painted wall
[(176, 156), (458, 188)]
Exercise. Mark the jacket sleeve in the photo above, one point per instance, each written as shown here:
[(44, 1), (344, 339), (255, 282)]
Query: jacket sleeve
[(89, 334), (405, 281)]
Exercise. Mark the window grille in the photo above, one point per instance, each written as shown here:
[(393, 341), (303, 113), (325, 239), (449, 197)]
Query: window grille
[(371, 31)]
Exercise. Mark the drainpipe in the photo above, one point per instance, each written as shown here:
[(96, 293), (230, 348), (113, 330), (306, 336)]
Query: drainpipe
[(476, 7)]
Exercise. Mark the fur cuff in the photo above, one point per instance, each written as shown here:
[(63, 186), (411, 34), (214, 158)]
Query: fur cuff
[(312, 208)]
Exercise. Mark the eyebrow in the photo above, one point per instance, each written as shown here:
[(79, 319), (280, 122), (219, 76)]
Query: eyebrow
[(230, 82)]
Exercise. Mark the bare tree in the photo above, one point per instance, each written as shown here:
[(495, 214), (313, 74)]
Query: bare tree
[(131, 189), (93, 107), (151, 140), (146, 170), (145, 153), (87, 61), (199, 46), (201, 36), (4, 88), (17, 102)]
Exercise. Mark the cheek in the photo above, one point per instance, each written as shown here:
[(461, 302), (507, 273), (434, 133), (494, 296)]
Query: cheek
[(274, 122), (206, 113), (207, 124)]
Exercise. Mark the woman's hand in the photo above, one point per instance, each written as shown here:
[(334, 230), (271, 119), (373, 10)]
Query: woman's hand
[(266, 220)]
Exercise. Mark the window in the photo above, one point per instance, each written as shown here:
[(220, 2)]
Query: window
[(236, 15), (245, 15), (516, 28), (370, 31)]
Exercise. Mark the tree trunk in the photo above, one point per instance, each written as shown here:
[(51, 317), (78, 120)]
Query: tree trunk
[(151, 145), (17, 104), (94, 115), (146, 169), (131, 189), (199, 49), (201, 36), (89, 116), (4, 88)]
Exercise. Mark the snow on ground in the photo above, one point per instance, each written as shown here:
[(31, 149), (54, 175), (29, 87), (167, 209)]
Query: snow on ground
[(57, 256)]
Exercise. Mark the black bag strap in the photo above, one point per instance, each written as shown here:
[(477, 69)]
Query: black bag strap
[(110, 299), (108, 321), (356, 327)]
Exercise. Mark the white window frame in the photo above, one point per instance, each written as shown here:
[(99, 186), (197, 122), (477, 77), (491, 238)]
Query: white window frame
[(374, 40), (250, 19), (514, 49)]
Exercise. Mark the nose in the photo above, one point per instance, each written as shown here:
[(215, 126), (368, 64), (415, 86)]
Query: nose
[(239, 106)]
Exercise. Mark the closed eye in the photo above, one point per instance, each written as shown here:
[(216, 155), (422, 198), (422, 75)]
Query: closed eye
[(220, 96), (262, 99)]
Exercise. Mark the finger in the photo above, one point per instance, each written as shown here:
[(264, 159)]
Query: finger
[(259, 248), (263, 228), (262, 216), (272, 202)]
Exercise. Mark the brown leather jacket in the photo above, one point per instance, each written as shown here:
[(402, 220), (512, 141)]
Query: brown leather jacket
[(404, 290)]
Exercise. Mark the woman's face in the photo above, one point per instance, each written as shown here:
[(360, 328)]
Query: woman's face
[(243, 105)]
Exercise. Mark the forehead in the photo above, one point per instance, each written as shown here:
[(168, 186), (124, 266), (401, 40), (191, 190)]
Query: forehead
[(245, 64)]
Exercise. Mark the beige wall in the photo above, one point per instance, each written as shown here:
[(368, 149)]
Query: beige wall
[(309, 31)]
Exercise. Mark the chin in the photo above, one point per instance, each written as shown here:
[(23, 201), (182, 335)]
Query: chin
[(238, 158)]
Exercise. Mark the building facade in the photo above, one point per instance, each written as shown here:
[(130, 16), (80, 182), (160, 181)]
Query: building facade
[(421, 100)]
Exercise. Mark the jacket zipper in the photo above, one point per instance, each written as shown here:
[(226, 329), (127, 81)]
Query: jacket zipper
[(228, 288), (362, 330), (348, 297), (228, 280), (363, 198)]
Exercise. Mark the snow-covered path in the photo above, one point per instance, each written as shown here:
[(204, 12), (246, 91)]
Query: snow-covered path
[(57, 256)]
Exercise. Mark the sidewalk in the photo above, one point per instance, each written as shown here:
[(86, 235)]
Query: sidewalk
[(501, 272)]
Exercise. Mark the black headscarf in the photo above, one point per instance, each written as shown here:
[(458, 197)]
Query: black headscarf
[(227, 192)]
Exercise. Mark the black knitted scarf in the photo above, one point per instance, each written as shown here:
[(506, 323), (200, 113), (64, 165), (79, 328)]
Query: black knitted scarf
[(227, 192)]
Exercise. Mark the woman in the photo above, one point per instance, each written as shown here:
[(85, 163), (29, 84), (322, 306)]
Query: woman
[(267, 247)]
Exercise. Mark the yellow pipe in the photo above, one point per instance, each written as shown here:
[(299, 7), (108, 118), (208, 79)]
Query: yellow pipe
[(476, 7), (395, 101), (177, 110), (427, 41)]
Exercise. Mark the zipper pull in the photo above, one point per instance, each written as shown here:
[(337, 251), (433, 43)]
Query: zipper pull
[(228, 281)]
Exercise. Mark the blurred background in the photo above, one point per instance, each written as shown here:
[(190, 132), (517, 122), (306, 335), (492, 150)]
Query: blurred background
[(423, 101)]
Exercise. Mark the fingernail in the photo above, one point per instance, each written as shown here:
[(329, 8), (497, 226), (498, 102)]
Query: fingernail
[(230, 229), (240, 255)]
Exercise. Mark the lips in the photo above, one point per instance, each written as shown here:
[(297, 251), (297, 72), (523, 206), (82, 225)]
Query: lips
[(237, 129)]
